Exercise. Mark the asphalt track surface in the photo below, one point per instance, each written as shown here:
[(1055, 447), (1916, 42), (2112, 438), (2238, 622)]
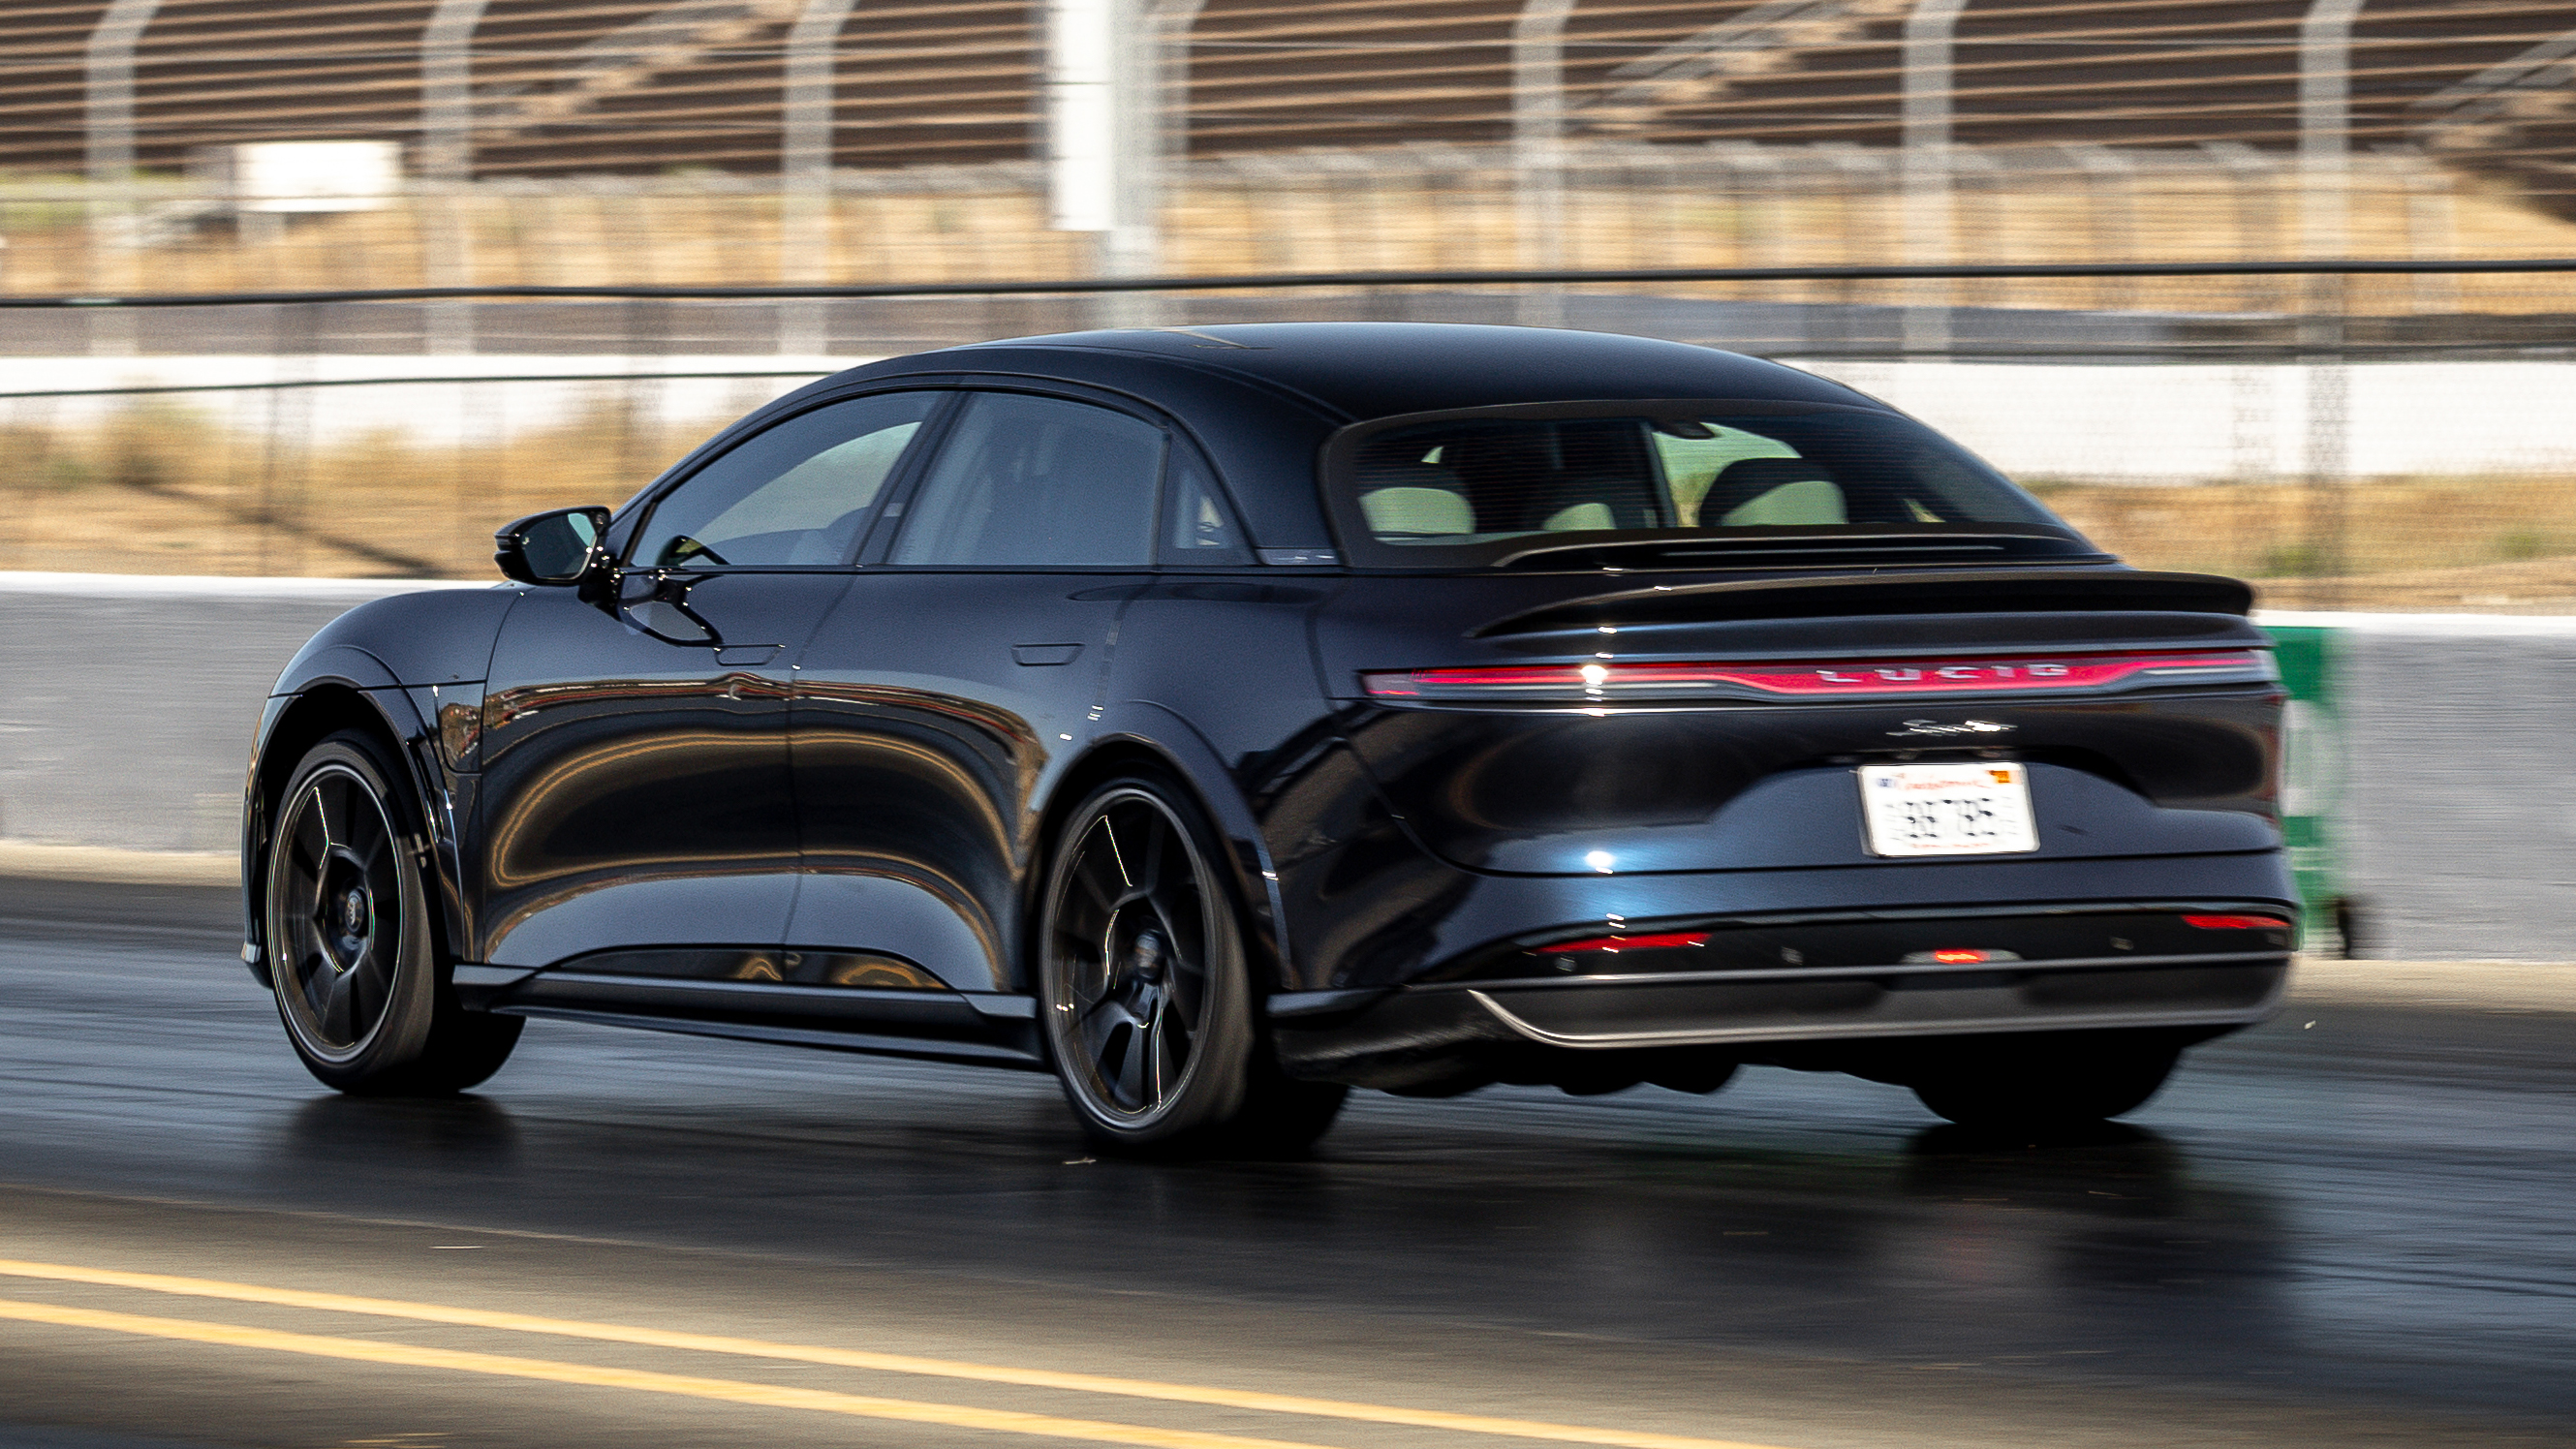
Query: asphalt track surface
[(2349, 1227)]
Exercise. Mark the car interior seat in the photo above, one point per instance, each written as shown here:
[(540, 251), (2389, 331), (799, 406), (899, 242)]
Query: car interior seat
[(1791, 490), (1597, 500), (1413, 499)]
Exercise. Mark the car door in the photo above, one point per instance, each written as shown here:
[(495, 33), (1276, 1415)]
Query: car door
[(963, 663), (637, 793)]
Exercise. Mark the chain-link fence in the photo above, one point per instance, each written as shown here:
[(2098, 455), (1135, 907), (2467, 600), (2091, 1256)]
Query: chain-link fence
[(1425, 207), (2318, 427)]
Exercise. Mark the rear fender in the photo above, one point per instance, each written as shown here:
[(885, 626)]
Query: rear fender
[(1140, 727)]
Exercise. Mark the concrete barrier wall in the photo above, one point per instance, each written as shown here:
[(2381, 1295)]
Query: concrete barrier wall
[(2458, 833), (127, 705), (127, 702)]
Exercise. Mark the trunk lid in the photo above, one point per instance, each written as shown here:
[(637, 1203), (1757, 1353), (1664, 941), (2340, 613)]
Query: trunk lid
[(1670, 723)]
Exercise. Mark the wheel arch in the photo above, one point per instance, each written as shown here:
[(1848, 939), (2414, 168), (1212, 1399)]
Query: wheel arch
[(1196, 769), (307, 718)]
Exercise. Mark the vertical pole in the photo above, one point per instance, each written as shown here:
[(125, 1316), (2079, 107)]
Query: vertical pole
[(1164, 114), (1174, 22), (805, 172), (2325, 126), (2432, 233), (2325, 216), (109, 86), (2254, 450), (1080, 133), (1930, 90), (2111, 215), (1133, 245), (1102, 139), (1538, 153), (447, 164), (2329, 460)]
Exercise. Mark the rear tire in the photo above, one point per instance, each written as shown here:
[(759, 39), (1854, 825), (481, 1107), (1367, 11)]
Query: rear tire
[(2047, 1082), (1145, 998), (352, 957)]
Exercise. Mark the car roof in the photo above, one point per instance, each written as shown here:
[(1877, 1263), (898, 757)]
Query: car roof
[(1262, 398), (1358, 371)]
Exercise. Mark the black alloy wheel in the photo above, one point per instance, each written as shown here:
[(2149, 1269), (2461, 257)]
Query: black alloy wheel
[(1148, 1005), (348, 937)]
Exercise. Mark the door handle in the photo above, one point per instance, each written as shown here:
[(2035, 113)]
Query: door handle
[(747, 655), (1045, 653)]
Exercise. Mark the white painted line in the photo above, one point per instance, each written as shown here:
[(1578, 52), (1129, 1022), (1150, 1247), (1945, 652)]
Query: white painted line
[(113, 865), (168, 586), (2437, 626), (2490, 985), (1211, 1395)]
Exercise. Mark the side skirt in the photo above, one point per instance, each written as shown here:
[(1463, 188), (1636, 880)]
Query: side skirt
[(942, 1025), (967, 1053)]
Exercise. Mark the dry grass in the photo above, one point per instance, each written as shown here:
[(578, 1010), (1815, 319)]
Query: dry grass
[(2499, 544), (162, 489), (1323, 221)]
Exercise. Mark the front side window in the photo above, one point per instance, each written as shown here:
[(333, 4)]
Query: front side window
[(796, 493), (1037, 482), (1696, 482)]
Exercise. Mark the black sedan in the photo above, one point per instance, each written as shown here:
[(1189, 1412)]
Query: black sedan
[(1225, 718)]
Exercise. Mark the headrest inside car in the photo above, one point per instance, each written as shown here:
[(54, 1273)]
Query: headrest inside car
[(1417, 511)]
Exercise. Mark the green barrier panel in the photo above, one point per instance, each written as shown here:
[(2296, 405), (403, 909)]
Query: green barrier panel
[(2312, 775)]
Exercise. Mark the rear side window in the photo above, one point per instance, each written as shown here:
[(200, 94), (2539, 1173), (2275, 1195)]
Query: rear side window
[(1487, 489), (1036, 482), (795, 493), (1197, 528)]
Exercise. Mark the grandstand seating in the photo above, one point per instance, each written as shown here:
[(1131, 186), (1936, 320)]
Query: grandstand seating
[(574, 86)]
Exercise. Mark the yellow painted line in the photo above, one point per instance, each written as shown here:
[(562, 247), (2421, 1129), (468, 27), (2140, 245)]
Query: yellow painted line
[(733, 1391), (863, 1359)]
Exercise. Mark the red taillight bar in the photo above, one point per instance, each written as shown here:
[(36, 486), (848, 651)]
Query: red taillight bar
[(2237, 923), (1854, 679), (1669, 942)]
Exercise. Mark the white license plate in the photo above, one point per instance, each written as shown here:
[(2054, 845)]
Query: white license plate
[(1981, 808)]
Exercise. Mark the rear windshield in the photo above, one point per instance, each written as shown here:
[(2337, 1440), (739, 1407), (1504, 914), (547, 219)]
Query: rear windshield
[(1697, 484)]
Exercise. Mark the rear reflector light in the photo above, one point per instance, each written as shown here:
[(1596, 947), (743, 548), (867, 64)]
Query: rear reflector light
[(2237, 923), (1813, 681), (1628, 943), (1956, 956)]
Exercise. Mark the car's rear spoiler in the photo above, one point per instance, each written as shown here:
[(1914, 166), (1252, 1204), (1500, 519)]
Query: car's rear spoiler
[(1930, 591)]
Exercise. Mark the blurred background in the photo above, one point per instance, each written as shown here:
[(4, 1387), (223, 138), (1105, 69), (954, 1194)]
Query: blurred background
[(2388, 437)]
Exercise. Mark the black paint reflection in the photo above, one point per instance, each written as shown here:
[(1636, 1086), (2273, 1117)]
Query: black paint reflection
[(636, 782), (424, 1135), (928, 711)]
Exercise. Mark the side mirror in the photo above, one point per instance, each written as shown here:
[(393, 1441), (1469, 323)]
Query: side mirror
[(562, 547)]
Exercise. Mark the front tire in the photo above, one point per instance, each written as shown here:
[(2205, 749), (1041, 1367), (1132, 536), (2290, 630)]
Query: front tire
[(1146, 1000), (352, 958)]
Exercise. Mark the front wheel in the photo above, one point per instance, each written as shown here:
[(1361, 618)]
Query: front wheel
[(1147, 1002), (347, 929), (2048, 1082)]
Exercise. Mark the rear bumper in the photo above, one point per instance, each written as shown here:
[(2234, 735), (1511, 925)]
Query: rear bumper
[(1423, 1036), (1835, 984), (1403, 923)]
